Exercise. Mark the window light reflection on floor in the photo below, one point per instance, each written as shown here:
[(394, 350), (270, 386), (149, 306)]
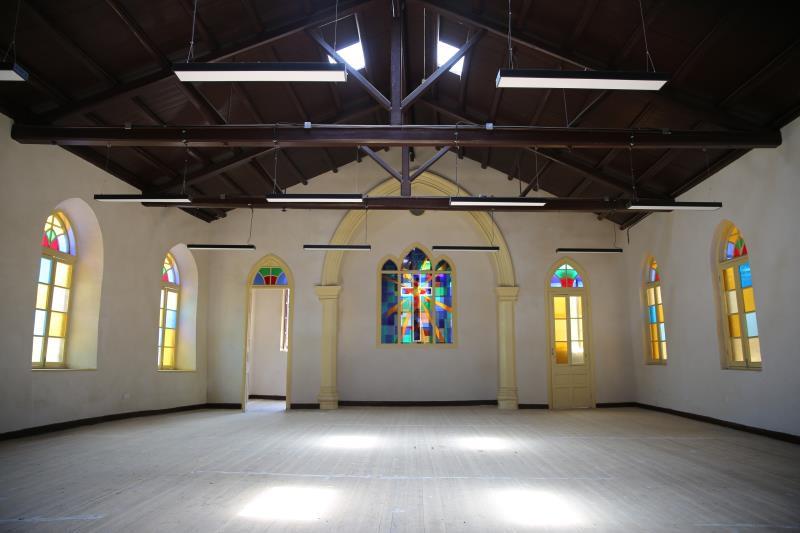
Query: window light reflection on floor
[(350, 442), (290, 504), (535, 508), (483, 443)]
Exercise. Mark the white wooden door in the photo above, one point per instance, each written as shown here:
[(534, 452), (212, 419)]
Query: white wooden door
[(570, 360)]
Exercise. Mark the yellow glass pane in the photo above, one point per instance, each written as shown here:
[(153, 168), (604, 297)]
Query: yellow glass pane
[(577, 353), (736, 347), (562, 358), (749, 300), (734, 326), (658, 294), (755, 350), (38, 344), (651, 299), (42, 292), (63, 273), (60, 299), (58, 325), (653, 332), (575, 306), (729, 280), (576, 329), (654, 350), (172, 300), (169, 338), (733, 304), (559, 307), (168, 357), (660, 312), (663, 350), (560, 330), (55, 350)]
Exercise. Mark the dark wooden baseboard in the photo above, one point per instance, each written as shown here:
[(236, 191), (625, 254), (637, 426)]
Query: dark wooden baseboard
[(533, 406), (59, 426), (266, 397), (304, 406), (616, 404), (442, 403)]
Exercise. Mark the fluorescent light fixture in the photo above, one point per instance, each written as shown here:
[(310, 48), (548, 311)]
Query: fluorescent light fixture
[(315, 198), (353, 55), (283, 71), (444, 52), (661, 205), (12, 72), (579, 79), (340, 247), (139, 198), (588, 250), (222, 247), (491, 201), (459, 248)]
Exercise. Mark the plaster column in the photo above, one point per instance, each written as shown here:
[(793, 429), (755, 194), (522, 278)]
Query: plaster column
[(329, 297), (506, 353)]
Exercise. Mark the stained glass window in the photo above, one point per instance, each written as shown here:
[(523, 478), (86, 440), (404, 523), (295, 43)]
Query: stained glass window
[(738, 301), (51, 312), (168, 314), (569, 342), (656, 329), (566, 276), (270, 276), (416, 301)]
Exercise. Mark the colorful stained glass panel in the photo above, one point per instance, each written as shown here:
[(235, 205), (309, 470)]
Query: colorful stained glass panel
[(745, 275), (45, 265), (443, 293), (270, 276), (755, 350), (389, 308), (57, 235), (566, 276), (169, 270), (389, 265), (752, 324), (735, 245)]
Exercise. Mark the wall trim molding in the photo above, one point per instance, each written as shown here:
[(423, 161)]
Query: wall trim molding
[(533, 406), (266, 397), (430, 403), (304, 406), (70, 424)]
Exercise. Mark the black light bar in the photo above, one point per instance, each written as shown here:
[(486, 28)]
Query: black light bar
[(281, 71), (662, 205), (588, 250), (222, 247), (12, 72), (579, 79), (139, 198), (340, 247), (460, 248)]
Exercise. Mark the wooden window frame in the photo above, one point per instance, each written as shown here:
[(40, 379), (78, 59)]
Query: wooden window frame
[(166, 288), (723, 265), (661, 358), (567, 292)]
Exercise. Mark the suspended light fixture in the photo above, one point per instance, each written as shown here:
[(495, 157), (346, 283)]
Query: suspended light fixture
[(466, 248), (283, 71), (144, 198), (315, 198), (666, 205), (588, 250), (12, 72), (491, 201), (579, 79), (340, 247), (222, 247)]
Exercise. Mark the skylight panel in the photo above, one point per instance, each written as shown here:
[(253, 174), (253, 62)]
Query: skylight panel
[(353, 55), (444, 52)]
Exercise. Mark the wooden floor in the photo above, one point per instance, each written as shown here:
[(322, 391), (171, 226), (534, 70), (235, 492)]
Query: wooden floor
[(400, 469)]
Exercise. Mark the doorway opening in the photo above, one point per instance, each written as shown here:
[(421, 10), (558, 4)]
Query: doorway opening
[(267, 359)]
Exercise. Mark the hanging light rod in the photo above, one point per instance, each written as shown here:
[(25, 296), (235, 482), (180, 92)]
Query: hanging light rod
[(222, 247), (340, 247), (283, 71), (142, 198), (661, 205), (579, 79), (12, 72), (315, 198), (588, 250), (491, 201), (460, 248)]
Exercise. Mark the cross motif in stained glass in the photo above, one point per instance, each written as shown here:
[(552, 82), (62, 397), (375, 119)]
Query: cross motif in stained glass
[(566, 276), (57, 235)]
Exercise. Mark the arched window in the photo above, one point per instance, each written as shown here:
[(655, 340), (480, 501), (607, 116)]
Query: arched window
[(274, 276), (168, 314), (738, 302), (53, 293), (416, 300), (568, 305), (656, 331)]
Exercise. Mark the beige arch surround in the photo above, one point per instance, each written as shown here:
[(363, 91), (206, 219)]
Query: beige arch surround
[(328, 291)]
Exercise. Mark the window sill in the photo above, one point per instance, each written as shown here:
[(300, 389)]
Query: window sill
[(63, 369), (173, 370), (750, 368)]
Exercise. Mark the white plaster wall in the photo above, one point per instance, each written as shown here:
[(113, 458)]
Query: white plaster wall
[(467, 371), (268, 364), (760, 193), (34, 180)]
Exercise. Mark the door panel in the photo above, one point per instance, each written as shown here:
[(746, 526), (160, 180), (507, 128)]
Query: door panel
[(570, 363)]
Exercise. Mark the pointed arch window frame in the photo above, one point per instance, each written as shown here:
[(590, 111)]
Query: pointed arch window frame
[(656, 351), (58, 275), (168, 287), (581, 290), (736, 302), (434, 262)]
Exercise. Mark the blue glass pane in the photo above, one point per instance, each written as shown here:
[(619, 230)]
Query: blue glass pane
[(416, 260), (443, 293), (258, 280), (744, 274), (282, 279), (653, 318), (389, 309), (752, 325), (44, 270), (171, 320), (662, 332), (389, 265)]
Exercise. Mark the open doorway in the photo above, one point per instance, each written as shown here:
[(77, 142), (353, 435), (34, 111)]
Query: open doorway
[(267, 363)]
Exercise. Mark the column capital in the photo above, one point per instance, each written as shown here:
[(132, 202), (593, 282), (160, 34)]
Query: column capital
[(328, 292), (507, 293)]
